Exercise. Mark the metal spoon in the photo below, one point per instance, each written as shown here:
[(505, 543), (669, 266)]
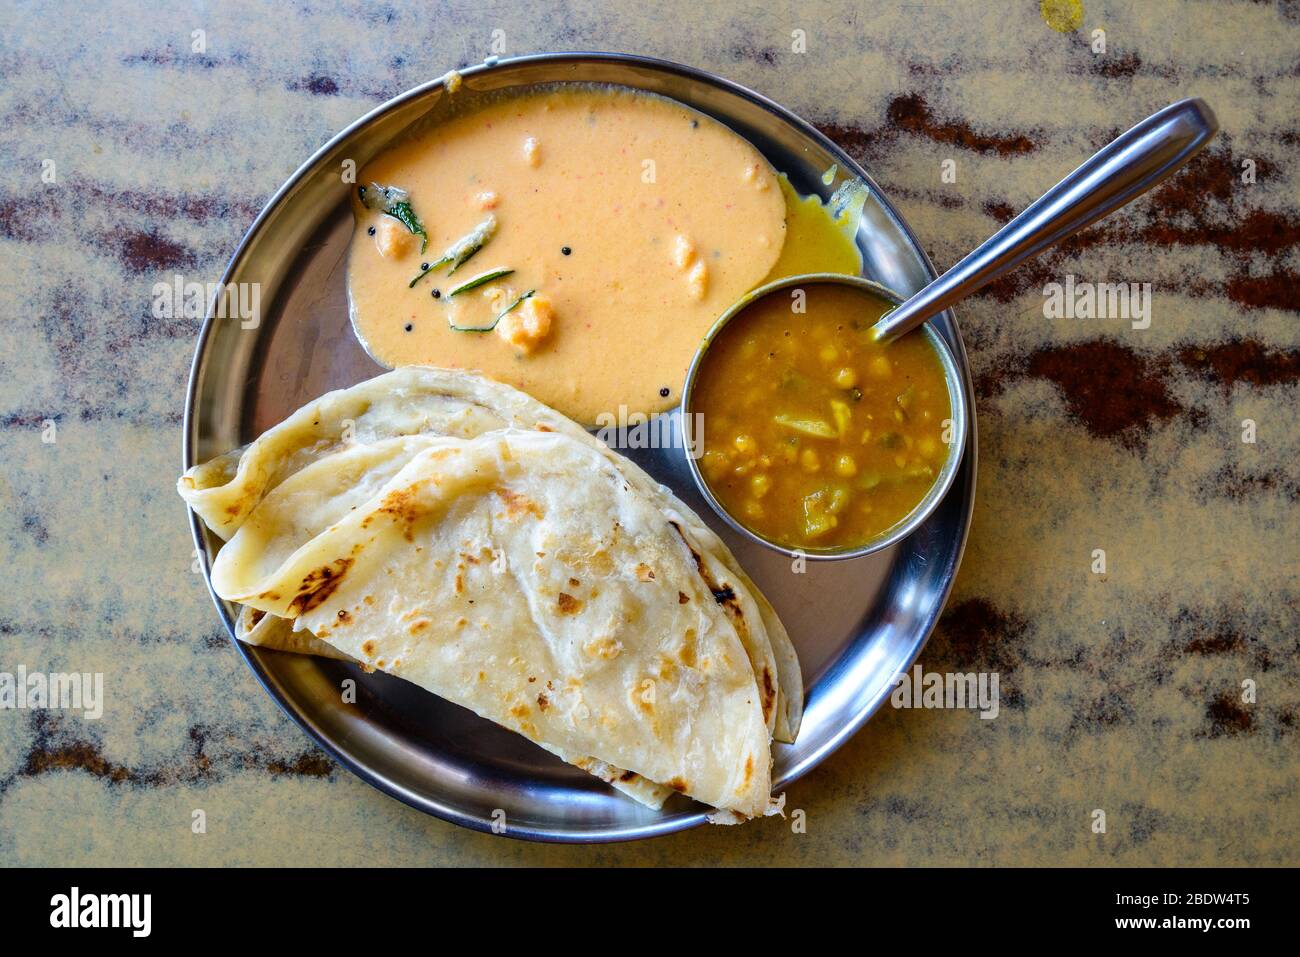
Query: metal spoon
[(1116, 174)]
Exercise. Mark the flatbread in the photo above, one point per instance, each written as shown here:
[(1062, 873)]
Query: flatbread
[(256, 627), (521, 575), (423, 400)]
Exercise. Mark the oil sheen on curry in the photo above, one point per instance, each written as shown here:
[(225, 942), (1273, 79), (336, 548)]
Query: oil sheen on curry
[(575, 242), (814, 435)]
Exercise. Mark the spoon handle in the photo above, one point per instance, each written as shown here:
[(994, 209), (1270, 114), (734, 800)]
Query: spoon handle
[(1119, 172)]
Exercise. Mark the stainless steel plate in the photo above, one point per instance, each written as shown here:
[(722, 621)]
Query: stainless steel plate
[(856, 623)]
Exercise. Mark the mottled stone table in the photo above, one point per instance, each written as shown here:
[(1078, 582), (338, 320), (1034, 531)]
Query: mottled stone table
[(1121, 691)]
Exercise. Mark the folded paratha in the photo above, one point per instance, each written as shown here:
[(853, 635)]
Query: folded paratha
[(424, 400), (519, 575), (296, 486)]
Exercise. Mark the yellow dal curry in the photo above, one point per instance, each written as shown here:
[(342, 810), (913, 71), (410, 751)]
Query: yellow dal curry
[(815, 436)]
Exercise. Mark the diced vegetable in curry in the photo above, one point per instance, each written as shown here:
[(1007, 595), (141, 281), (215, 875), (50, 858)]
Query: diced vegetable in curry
[(815, 436)]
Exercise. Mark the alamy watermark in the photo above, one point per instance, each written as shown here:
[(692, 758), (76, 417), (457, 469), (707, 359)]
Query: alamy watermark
[(74, 909), (1098, 300), (54, 690), (179, 299), (637, 430), (934, 689)]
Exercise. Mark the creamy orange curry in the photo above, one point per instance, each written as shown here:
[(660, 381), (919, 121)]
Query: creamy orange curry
[(575, 242)]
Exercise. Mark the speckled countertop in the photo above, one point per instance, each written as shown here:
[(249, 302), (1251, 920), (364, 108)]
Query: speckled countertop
[(1121, 691)]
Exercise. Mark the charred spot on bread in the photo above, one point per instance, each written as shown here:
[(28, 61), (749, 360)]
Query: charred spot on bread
[(318, 585), (769, 690)]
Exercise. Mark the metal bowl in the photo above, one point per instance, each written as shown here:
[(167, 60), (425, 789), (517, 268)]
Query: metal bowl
[(856, 624), (956, 395)]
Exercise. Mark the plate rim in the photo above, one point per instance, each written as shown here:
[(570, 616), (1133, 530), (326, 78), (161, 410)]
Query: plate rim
[(251, 655)]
